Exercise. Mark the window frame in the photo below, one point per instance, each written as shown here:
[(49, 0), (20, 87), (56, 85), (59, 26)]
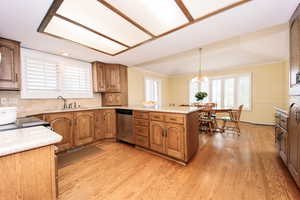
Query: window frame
[(236, 78), (60, 62), (159, 88)]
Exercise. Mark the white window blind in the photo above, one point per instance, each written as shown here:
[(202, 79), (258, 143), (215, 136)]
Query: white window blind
[(41, 75), (227, 91), (153, 90), (50, 76)]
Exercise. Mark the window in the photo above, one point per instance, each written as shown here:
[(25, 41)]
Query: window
[(49, 76), (226, 91), (153, 90)]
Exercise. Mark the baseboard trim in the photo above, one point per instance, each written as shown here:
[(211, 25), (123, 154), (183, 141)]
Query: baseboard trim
[(257, 123)]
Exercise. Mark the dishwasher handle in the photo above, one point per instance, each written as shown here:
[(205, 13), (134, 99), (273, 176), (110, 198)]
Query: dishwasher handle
[(124, 111)]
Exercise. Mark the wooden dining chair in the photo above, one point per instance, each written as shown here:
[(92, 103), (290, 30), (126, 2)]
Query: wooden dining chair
[(234, 119), (206, 122)]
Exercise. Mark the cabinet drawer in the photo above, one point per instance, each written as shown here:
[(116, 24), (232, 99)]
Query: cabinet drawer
[(157, 116), (142, 131), (141, 122), (141, 115), (174, 118), (142, 141)]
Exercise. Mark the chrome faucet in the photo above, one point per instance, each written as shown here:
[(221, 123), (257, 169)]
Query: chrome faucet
[(65, 101)]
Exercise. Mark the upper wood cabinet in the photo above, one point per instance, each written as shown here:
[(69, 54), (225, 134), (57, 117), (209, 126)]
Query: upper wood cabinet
[(62, 123), (99, 80), (112, 81), (112, 75), (9, 65), (295, 53), (84, 127)]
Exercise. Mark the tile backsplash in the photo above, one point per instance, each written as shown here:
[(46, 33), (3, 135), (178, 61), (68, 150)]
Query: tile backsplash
[(30, 106)]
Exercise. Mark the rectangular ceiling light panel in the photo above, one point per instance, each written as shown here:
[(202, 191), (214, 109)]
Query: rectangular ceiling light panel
[(94, 15), (156, 16), (200, 8), (67, 30)]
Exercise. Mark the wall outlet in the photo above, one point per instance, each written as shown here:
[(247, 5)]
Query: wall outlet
[(3, 101)]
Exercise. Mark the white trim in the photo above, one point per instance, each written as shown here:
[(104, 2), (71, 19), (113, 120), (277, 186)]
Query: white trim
[(150, 72)]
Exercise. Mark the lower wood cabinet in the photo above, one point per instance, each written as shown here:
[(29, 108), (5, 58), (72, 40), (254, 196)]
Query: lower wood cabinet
[(105, 124), (110, 123), (294, 142), (84, 127), (62, 123), (167, 138)]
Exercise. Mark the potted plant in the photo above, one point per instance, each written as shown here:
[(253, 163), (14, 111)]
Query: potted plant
[(200, 96)]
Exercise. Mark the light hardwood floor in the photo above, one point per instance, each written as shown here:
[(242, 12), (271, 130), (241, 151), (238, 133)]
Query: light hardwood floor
[(226, 167)]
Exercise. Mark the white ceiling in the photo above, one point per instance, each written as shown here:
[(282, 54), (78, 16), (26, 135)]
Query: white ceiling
[(265, 46), (20, 19)]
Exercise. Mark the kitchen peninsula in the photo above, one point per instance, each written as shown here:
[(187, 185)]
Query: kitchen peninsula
[(171, 132)]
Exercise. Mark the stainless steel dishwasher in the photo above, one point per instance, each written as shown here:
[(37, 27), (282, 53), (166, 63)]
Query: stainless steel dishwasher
[(125, 126)]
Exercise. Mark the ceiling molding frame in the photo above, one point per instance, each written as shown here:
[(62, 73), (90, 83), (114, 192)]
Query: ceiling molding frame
[(52, 12), (185, 11)]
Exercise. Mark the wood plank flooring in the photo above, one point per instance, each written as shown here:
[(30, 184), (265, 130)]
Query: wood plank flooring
[(226, 167)]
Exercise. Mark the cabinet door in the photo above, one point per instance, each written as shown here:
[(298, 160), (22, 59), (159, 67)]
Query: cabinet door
[(62, 123), (112, 74), (99, 125), (175, 140), (111, 99), (110, 123), (157, 139), (293, 142), (84, 127), (99, 77), (9, 65), (284, 146)]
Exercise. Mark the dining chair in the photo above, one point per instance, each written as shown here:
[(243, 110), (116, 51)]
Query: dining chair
[(233, 118), (206, 121)]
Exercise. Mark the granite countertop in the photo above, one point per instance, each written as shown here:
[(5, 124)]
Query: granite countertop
[(14, 141), (175, 109), (283, 110)]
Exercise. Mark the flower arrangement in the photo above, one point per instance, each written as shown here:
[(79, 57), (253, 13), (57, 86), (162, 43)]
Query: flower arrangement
[(200, 96)]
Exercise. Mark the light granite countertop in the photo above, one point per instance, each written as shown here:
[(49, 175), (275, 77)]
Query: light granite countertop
[(14, 141), (283, 110), (175, 109)]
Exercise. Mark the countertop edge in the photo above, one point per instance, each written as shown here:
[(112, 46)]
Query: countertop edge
[(17, 148)]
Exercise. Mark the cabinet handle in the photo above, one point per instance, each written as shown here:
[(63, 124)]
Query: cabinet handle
[(16, 77), (174, 119), (166, 133)]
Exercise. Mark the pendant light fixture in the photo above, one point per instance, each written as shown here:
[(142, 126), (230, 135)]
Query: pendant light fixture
[(199, 76)]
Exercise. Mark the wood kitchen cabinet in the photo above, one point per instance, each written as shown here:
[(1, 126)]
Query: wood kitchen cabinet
[(167, 138), (99, 124), (110, 123), (157, 136), (112, 77), (99, 79), (174, 140), (84, 127), (295, 53), (62, 123), (112, 81), (294, 142), (112, 99), (9, 64)]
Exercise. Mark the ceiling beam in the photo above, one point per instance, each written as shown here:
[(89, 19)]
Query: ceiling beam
[(185, 11), (115, 10), (50, 13), (91, 30)]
